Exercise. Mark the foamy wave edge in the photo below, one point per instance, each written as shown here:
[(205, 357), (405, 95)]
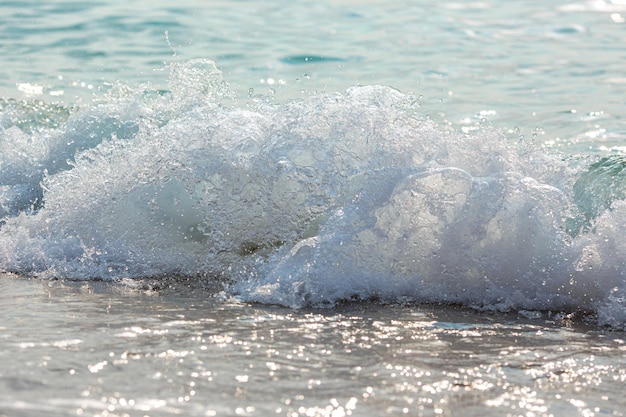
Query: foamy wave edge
[(309, 202)]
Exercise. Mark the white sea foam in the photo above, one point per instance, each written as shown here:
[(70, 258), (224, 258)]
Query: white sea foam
[(308, 202)]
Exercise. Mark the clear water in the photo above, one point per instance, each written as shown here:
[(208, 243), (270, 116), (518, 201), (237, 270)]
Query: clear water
[(338, 208), (557, 67), (104, 350)]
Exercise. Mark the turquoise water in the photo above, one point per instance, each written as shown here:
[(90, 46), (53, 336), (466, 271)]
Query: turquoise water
[(557, 67), (365, 208)]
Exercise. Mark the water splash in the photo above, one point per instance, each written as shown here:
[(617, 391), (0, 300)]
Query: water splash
[(313, 201)]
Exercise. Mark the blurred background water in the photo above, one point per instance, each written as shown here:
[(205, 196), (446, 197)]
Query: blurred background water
[(555, 68)]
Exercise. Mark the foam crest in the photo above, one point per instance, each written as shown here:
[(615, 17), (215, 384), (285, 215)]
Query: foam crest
[(309, 202)]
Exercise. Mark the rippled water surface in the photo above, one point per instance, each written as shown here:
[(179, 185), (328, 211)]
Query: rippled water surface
[(556, 67), (105, 349)]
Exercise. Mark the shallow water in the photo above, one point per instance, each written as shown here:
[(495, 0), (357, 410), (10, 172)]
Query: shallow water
[(105, 349), (180, 186)]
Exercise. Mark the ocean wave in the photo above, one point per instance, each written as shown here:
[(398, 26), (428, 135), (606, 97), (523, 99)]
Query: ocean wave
[(309, 202)]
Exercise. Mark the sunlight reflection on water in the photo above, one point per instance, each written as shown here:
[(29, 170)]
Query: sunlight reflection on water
[(181, 353)]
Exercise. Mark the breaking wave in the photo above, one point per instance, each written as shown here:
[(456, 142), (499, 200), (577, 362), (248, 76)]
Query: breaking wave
[(312, 201)]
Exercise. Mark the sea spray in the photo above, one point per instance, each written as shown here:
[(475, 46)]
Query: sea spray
[(309, 202)]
